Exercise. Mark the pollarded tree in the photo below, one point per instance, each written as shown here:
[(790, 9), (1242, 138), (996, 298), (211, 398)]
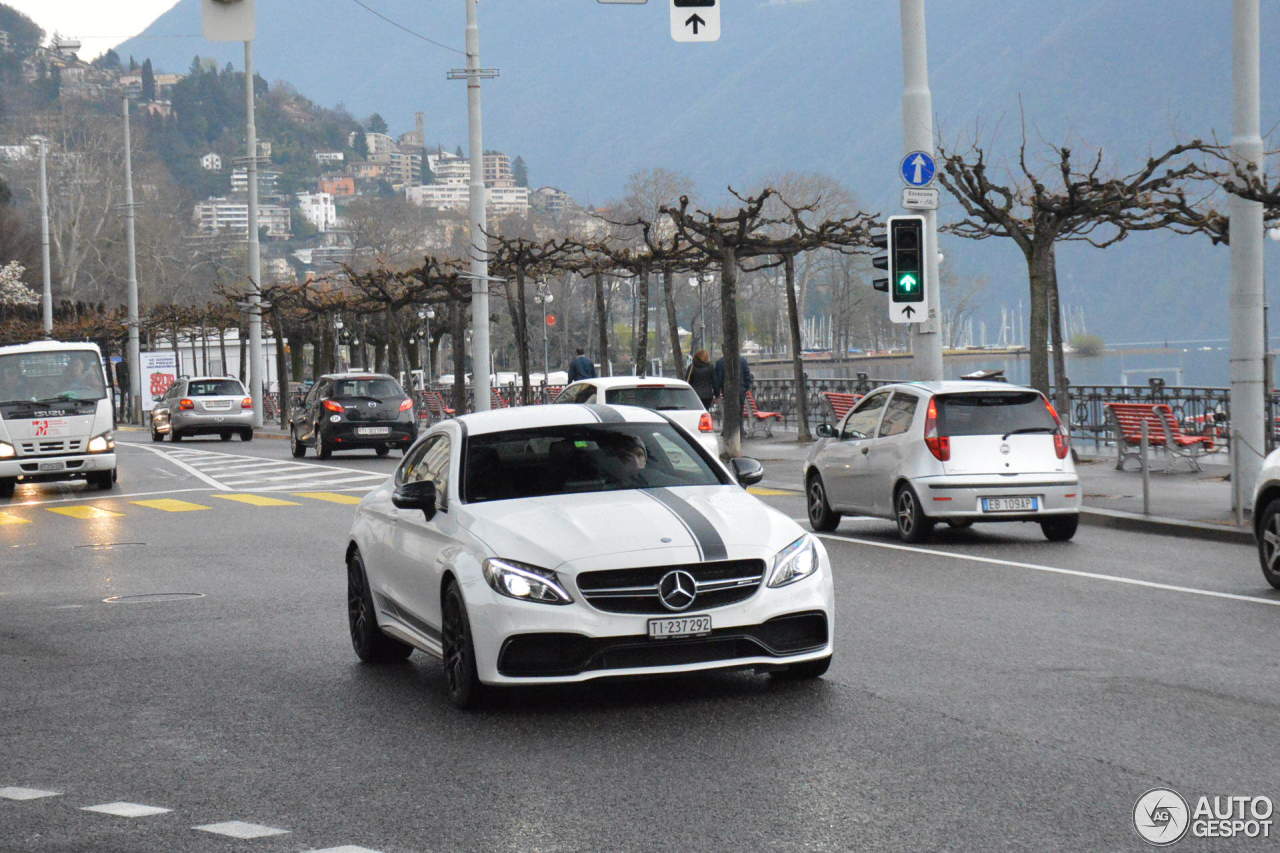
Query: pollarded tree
[(1083, 205)]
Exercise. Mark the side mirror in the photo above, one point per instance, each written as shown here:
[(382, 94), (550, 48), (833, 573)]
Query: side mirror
[(420, 495), (748, 471), (825, 431)]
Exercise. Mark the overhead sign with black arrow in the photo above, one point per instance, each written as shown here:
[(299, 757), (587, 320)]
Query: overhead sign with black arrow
[(695, 20)]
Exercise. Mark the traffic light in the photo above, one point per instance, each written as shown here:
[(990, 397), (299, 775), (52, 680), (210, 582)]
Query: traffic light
[(880, 262), (906, 258)]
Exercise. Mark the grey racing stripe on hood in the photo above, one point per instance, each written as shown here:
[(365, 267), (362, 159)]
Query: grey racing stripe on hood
[(704, 533), (605, 414)]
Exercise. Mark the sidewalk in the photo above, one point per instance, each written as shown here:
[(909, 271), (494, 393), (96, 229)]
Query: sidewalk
[(1183, 503)]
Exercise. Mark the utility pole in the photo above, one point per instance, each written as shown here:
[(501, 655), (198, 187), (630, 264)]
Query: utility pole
[(256, 373), (1248, 347), (135, 348), (47, 306), (480, 354), (917, 121)]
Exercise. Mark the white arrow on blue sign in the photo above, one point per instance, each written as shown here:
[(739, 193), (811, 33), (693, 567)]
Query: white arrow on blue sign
[(918, 169)]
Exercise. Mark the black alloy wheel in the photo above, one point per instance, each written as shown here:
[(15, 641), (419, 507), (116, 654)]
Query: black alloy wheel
[(913, 524), (1060, 528), (296, 447), (1268, 541), (803, 671), (371, 645), (821, 516), (461, 680)]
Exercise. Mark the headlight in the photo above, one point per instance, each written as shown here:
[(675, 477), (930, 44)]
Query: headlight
[(795, 562), (525, 582), (7, 451), (101, 443)]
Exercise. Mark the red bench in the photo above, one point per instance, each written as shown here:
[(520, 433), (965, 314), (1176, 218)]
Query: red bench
[(840, 403), (1163, 430), (753, 418), (496, 400), (435, 405)]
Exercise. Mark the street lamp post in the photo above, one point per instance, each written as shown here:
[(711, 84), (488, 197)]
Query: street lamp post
[(698, 282), (544, 298), (47, 303), (424, 356), (135, 355), (337, 343)]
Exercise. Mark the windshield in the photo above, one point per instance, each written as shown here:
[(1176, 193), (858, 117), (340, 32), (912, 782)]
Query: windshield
[(51, 376), (381, 388), (659, 398), (992, 414), (215, 388), (572, 459)]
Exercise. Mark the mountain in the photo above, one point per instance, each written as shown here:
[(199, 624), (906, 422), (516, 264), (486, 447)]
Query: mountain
[(589, 93)]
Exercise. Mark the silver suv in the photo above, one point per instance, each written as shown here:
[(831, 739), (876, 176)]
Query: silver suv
[(205, 405)]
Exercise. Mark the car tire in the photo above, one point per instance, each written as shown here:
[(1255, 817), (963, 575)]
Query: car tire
[(7, 487), (460, 677), (370, 644), (803, 671), (324, 451), (156, 436), (224, 436), (960, 523), (913, 524), (1268, 548), (246, 435), (382, 451), (296, 447), (102, 479), (174, 435), (821, 516), (1060, 528)]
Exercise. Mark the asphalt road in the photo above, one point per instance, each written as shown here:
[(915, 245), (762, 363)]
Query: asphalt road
[(990, 691)]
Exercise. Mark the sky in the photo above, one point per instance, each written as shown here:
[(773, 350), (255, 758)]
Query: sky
[(99, 24)]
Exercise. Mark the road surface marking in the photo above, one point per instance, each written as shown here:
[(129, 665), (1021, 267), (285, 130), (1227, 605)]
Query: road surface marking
[(86, 513), (331, 497), (26, 793), (1189, 590), (256, 500), (6, 518), (346, 848), (171, 505), (172, 457), (125, 809), (240, 829), (767, 492), (111, 498)]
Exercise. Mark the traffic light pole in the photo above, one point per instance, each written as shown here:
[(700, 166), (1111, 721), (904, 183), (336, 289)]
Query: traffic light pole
[(135, 347), (917, 121), (256, 377)]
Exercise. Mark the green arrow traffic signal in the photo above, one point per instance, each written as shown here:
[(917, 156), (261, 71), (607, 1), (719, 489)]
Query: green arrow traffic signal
[(907, 283)]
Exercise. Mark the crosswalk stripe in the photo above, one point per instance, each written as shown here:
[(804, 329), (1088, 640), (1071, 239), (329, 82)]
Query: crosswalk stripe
[(171, 505), (6, 518), (86, 513), (355, 475), (331, 497), (257, 500)]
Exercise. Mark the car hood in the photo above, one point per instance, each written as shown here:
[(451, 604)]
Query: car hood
[(686, 524)]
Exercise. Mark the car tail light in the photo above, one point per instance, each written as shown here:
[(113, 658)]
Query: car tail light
[(186, 404), (246, 403), (1061, 441), (705, 424), (333, 407), (939, 445), (406, 405)]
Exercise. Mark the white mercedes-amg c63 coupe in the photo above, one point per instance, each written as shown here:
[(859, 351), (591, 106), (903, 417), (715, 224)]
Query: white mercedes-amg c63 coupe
[(567, 543)]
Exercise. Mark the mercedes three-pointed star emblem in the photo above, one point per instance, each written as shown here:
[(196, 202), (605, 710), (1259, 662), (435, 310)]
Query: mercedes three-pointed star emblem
[(677, 590)]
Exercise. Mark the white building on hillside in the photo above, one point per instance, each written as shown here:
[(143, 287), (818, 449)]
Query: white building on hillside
[(318, 209), (211, 162), (220, 214)]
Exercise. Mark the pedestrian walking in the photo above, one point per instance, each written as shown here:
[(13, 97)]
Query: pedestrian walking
[(581, 367), (702, 376), (744, 374)]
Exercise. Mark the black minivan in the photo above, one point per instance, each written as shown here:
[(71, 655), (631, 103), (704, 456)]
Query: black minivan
[(353, 411)]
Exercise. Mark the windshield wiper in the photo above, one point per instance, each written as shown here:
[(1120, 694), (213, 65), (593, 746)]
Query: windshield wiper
[(1027, 430)]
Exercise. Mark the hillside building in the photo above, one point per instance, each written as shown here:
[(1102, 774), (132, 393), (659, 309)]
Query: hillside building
[(267, 183), (318, 209), (221, 214), (211, 162)]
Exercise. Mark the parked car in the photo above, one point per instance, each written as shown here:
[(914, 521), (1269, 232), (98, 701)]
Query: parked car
[(205, 405), (567, 543), (675, 398), (959, 452), (1266, 518), (353, 411)]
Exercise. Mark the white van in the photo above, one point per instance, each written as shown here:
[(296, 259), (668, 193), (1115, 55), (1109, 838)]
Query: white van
[(56, 418)]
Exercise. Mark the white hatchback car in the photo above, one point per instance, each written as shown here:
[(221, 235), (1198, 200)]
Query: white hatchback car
[(673, 397), (1266, 518), (958, 452), (567, 543)]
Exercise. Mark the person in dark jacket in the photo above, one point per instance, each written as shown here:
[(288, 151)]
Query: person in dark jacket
[(744, 377), (581, 367), (702, 376)]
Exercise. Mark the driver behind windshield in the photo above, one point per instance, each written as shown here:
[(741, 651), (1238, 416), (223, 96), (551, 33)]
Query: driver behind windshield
[(11, 385), (78, 382)]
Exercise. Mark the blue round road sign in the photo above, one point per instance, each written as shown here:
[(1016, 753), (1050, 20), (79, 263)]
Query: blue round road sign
[(917, 169)]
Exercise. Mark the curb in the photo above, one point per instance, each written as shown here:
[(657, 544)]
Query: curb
[(1120, 520)]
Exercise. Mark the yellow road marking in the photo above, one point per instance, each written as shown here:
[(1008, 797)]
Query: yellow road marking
[(84, 512), (170, 505), (6, 518), (763, 492), (257, 500), (331, 497)]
